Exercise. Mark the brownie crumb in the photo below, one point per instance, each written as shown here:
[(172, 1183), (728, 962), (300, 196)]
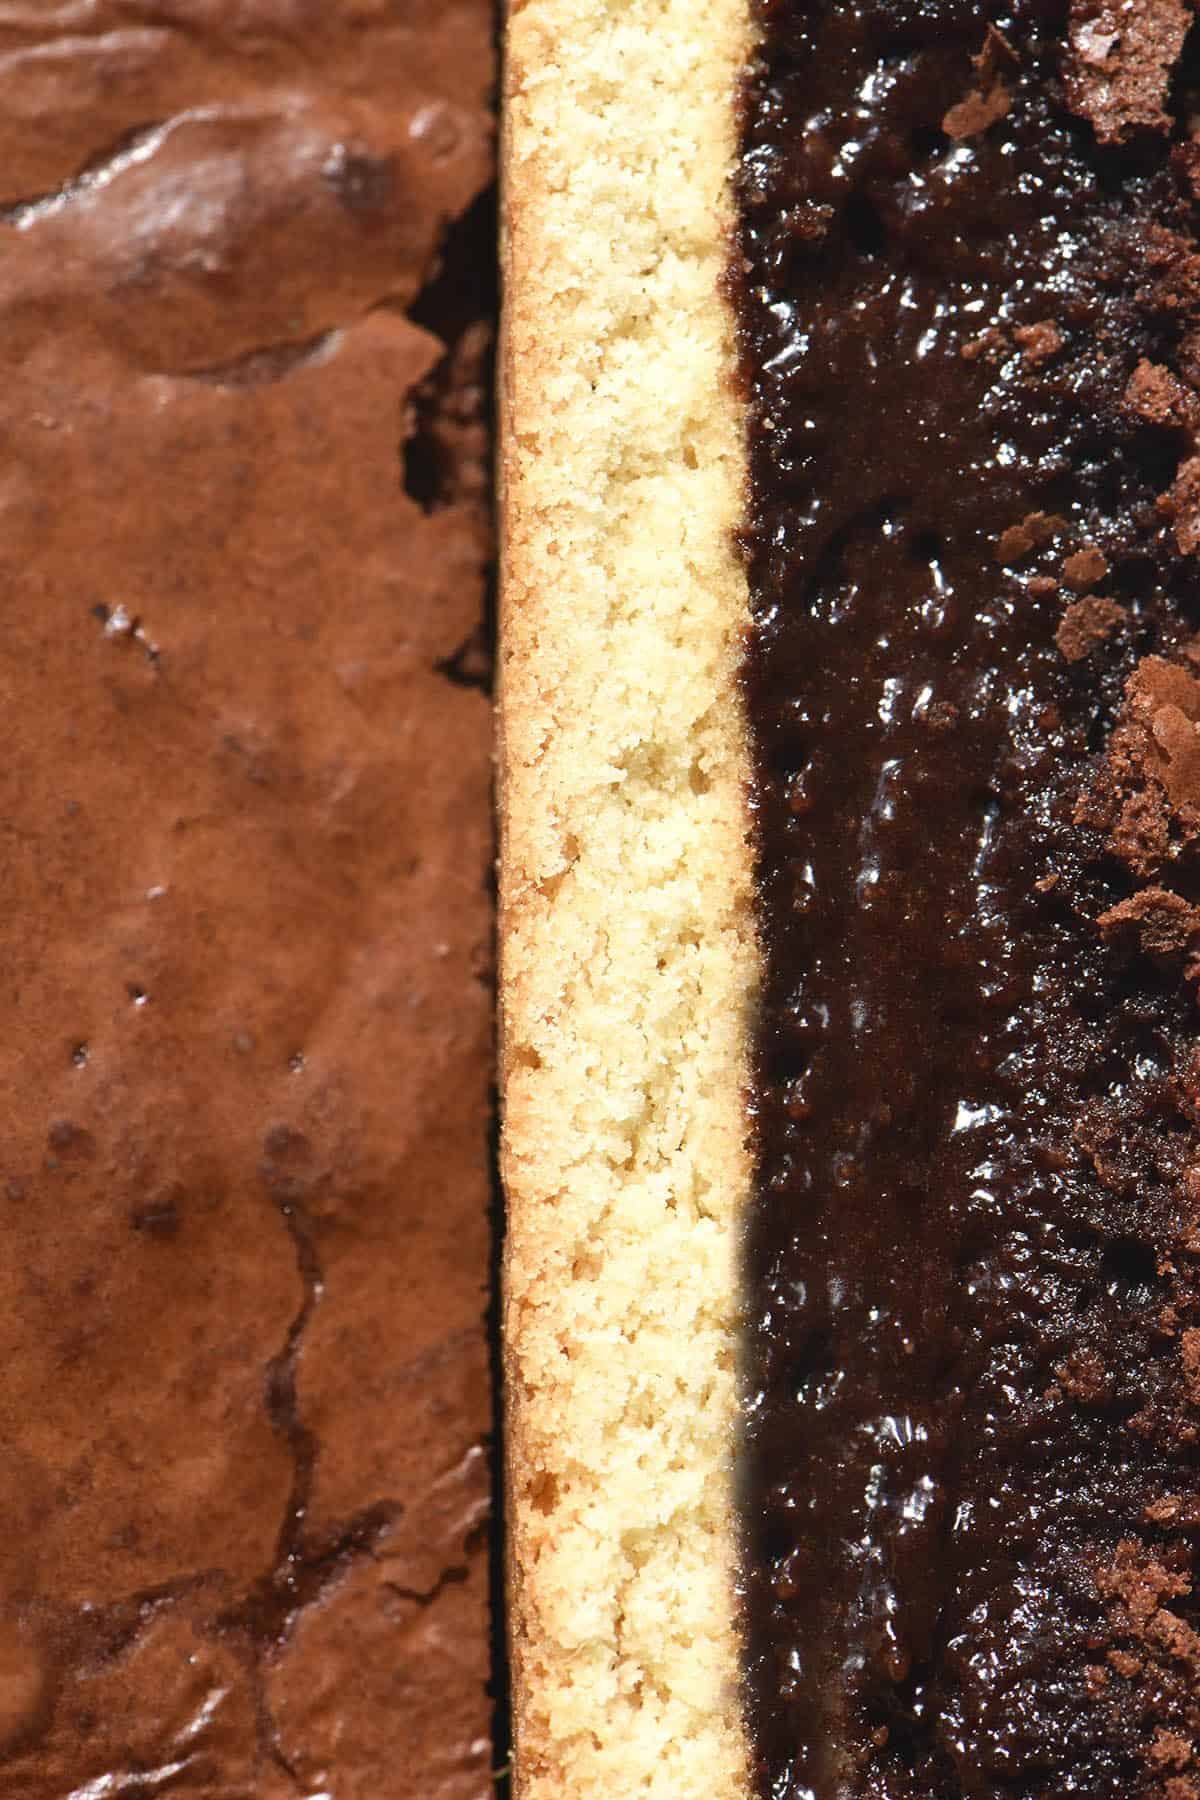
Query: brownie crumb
[(1086, 624), (1180, 505), (1189, 1350), (1085, 568), (1035, 531), (1139, 1583), (1158, 397), (1173, 266), (991, 344), (1038, 342), (1169, 1751), (972, 116), (1145, 795), (990, 99), (1118, 67), (1084, 1377), (1158, 1656), (1164, 923)]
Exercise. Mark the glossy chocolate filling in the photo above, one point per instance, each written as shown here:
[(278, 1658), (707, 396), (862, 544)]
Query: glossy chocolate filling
[(970, 313)]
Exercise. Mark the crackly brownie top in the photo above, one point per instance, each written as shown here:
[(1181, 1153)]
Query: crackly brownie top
[(243, 1072)]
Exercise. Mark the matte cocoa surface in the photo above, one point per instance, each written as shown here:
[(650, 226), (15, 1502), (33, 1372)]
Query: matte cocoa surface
[(969, 331), (244, 925)]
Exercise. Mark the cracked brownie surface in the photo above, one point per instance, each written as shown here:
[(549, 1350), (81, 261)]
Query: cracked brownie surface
[(245, 923)]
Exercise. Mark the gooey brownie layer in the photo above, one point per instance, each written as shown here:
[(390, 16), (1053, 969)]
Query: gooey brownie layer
[(970, 315)]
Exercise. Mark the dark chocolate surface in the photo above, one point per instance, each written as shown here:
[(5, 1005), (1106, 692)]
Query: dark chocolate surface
[(969, 309), (244, 924)]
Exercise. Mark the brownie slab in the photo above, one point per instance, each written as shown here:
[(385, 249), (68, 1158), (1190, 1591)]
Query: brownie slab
[(968, 311), (245, 924)]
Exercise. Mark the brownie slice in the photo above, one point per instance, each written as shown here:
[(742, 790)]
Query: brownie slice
[(245, 926), (969, 318)]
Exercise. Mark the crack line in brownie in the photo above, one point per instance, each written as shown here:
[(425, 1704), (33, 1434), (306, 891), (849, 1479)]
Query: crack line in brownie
[(970, 318)]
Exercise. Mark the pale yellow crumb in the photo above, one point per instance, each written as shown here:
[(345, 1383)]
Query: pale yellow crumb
[(628, 954)]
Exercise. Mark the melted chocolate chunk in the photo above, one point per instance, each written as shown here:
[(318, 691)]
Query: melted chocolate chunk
[(972, 1458)]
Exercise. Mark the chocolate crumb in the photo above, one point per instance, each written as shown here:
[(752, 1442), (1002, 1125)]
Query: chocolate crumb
[(990, 100), (1190, 1357), (1169, 1751), (1084, 1377), (972, 117), (1158, 397), (1166, 1661), (1085, 568), (1086, 624), (1140, 1582), (1187, 358), (1165, 925), (1174, 270), (1038, 342), (990, 344), (1119, 63), (1181, 506), (1145, 795), (1036, 530)]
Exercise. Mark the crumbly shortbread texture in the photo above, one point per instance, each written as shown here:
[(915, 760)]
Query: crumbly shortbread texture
[(627, 929)]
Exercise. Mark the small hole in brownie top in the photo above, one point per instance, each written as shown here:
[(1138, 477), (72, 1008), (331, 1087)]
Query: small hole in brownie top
[(927, 141), (815, 1356), (1084, 1299), (1131, 1270), (864, 227)]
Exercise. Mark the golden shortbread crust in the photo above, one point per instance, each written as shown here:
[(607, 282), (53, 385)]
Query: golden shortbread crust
[(628, 956)]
